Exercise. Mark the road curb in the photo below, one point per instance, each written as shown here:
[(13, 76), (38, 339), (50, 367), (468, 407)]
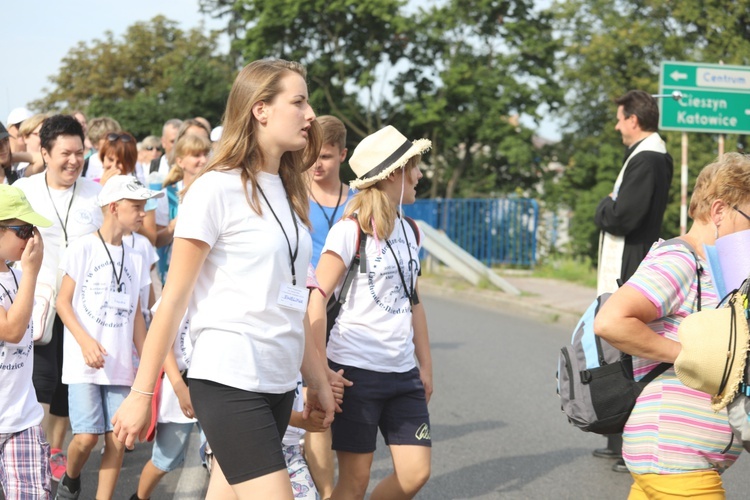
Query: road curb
[(526, 304)]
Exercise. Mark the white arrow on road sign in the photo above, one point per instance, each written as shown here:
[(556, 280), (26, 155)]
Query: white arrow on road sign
[(677, 76)]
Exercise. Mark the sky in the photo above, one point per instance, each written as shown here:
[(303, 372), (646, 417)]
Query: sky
[(36, 36)]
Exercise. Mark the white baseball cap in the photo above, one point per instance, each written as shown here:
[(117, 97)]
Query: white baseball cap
[(18, 115), (125, 187)]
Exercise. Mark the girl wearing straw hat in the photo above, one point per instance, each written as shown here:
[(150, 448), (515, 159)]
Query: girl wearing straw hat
[(382, 325), (239, 260), (676, 444)]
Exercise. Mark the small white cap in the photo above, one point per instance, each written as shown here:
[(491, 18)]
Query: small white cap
[(125, 187), (18, 115)]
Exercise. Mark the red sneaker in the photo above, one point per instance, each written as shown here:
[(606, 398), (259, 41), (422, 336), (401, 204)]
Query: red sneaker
[(57, 463)]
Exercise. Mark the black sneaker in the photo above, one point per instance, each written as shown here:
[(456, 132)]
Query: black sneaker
[(63, 493)]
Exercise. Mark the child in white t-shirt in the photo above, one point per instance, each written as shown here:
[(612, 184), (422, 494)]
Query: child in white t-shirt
[(380, 338), (99, 303), (175, 419), (24, 451)]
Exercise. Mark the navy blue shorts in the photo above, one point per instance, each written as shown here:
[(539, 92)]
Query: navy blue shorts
[(243, 428), (392, 402)]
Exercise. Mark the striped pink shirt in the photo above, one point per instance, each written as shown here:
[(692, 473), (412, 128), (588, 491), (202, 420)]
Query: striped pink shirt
[(672, 428)]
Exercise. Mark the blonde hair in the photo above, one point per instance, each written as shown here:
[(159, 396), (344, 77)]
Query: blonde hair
[(260, 81), (187, 145), (28, 126), (376, 212), (726, 179)]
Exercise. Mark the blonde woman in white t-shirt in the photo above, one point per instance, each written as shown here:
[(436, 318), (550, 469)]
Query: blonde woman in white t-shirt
[(239, 261), (382, 325)]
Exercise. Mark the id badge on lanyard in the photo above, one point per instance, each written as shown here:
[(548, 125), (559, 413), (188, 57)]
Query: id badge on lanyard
[(293, 297)]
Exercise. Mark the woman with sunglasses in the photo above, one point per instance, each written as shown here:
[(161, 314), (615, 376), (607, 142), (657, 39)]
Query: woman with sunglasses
[(239, 260), (674, 444)]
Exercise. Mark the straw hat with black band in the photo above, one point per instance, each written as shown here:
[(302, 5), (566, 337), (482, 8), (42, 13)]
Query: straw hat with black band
[(381, 153), (714, 344)]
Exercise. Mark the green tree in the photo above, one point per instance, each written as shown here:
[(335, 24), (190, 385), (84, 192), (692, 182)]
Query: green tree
[(348, 47), (610, 48), (477, 67), (454, 73), (155, 71)]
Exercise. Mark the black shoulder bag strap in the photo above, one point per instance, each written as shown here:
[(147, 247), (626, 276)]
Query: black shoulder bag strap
[(359, 260), (86, 166), (154, 167)]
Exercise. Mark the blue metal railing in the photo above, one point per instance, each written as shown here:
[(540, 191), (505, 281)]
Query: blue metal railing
[(493, 230)]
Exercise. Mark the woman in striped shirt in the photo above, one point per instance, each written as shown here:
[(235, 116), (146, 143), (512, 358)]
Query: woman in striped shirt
[(675, 445)]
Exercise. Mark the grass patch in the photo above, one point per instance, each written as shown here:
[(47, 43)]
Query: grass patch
[(564, 268)]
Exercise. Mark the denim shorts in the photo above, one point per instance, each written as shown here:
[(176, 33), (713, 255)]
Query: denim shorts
[(92, 406), (170, 444), (392, 402)]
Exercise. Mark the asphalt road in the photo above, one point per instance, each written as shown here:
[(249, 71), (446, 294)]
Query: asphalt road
[(497, 429)]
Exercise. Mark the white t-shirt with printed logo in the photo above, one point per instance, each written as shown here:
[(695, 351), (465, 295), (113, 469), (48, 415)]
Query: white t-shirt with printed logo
[(141, 244), (241, 336), (19, 408), (374, 328), (294, 434), (84, 218), (89, 265), (169, 405)]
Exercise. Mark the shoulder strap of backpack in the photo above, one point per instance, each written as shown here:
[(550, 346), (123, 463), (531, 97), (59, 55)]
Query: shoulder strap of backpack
[(658, 370), (414, 227), (85, 167), (357, 261), (698, 266)]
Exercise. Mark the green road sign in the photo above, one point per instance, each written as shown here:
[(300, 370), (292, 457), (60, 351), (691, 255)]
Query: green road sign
[(715, 98)]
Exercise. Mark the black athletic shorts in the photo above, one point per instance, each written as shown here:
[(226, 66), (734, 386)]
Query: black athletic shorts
[(243, 428), (47, 375), (395, 403)]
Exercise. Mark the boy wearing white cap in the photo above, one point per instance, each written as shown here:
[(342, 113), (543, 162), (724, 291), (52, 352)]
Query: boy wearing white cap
[(24, 451), (100, 306)]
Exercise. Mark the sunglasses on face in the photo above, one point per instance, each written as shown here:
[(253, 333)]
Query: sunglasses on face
[(24, 231), (151, 148), (118, 137)]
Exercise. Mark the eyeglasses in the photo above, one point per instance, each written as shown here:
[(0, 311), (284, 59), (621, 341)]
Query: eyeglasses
[(121, 137), (151, 148), (24, 231), (742, 213)]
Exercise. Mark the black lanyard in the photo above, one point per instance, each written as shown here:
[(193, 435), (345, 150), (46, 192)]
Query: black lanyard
[(411, 293), (6, 290), (54, 207), (333, 215), (292, 255), (111, 261)]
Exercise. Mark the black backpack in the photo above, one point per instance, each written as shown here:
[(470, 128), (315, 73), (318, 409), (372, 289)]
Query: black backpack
[(359, 260), (595, 380)]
